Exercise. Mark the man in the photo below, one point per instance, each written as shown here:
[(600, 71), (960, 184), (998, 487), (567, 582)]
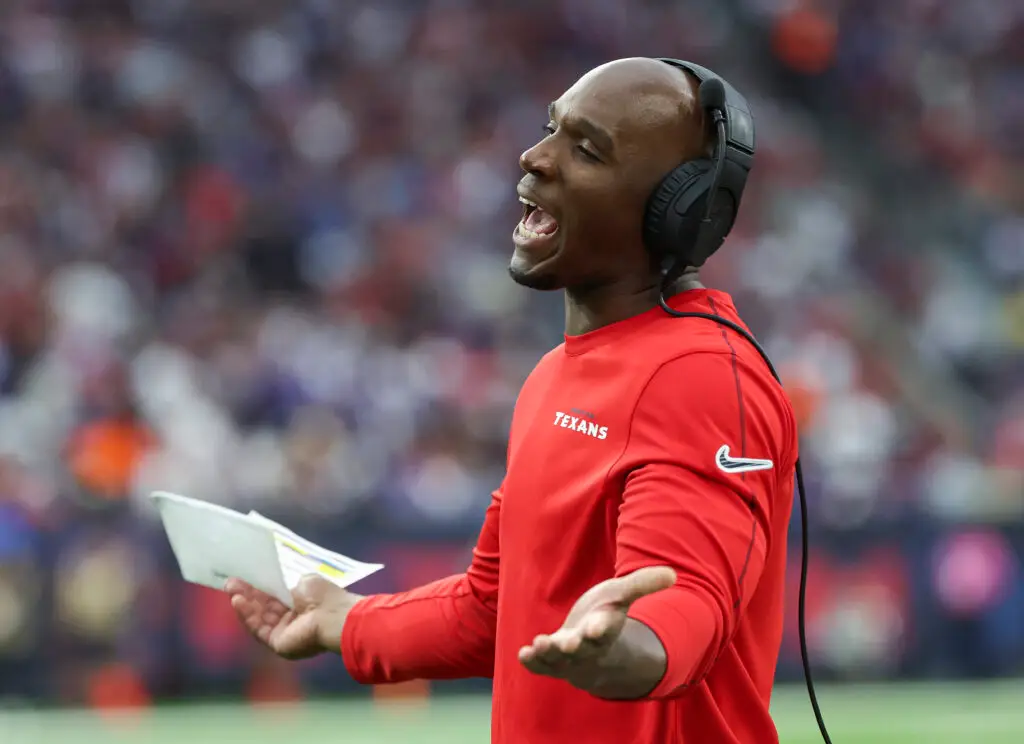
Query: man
[(627, 585)]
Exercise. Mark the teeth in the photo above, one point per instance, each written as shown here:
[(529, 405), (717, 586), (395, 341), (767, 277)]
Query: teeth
[(526, 201), (524, 230)]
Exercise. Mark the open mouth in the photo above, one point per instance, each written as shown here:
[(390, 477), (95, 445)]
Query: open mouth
[(536, 224)]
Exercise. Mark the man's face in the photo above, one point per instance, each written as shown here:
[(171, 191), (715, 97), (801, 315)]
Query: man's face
[(609, 140)]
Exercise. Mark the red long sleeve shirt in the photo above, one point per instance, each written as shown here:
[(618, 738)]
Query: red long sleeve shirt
[(652, 441)]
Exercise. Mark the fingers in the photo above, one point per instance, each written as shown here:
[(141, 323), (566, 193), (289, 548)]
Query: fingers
[(271, 633), (539, 666), (599, 626), (248, 612), (237, 586), (253, 596), (273, 617), (589, 632), (269, 621), (559, 654), (567, 642), (642, 582), (543, 657), (259, 614)]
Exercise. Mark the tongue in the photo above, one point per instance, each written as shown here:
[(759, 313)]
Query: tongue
[(541, 222)]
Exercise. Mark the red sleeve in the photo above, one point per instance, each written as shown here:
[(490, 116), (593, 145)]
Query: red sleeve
[(444, 630), (682, 510)]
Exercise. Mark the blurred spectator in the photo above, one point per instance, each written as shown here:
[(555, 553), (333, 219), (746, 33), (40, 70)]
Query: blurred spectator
[(255, 253)]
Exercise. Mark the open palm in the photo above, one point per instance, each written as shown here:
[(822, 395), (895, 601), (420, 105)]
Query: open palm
[(573, 652)]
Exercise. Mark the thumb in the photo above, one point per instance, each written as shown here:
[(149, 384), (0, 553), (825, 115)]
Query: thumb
[(309, 592), (644, 581)]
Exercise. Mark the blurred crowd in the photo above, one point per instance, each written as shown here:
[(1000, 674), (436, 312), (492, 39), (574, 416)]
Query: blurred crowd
[(255, 253)]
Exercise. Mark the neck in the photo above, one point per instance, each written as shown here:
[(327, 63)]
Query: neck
[(592, 308)]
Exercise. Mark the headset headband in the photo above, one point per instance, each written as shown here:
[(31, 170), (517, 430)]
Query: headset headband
[(739, 124), (693, 208)]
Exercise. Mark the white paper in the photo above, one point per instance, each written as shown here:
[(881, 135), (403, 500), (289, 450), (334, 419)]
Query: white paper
[(213, 543), (299, 557)]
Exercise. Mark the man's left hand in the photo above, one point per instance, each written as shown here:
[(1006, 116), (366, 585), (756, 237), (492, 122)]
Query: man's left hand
[(577, 652)]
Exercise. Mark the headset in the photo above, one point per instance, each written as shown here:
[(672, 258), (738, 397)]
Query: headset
[(687, 218)]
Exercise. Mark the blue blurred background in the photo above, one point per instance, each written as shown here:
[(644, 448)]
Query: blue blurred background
[(255, 253)]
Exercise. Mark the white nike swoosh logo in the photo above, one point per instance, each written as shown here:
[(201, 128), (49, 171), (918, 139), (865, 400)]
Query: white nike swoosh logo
[(729, 464)]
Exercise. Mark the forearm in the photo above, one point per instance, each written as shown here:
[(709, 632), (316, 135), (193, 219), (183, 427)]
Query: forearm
[(438, 631), (444, 630), (632, 667)]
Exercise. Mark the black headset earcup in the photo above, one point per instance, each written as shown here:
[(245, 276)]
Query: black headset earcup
[(674, 208), (723, 215), (672, 219)]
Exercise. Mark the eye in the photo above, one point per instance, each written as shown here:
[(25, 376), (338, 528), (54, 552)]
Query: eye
[(589, 155)]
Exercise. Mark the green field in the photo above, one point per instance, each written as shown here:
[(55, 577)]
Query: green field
[(903, 714)]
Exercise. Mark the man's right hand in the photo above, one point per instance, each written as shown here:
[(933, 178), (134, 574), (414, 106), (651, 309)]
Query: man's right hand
[(312, 627)]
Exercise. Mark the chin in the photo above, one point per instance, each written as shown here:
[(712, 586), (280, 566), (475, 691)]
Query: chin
[(538, 280), (541, 276)]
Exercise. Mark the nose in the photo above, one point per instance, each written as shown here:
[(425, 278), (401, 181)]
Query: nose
[(539, 160)]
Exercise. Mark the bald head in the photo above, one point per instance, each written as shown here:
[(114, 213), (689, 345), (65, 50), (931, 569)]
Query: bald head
[(651, 99), (611, 138)]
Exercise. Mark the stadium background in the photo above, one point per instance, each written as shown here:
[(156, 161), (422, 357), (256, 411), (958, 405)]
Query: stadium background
[(254, 252)]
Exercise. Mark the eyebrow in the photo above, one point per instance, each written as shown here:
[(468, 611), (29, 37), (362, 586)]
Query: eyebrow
[(590, 129)]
